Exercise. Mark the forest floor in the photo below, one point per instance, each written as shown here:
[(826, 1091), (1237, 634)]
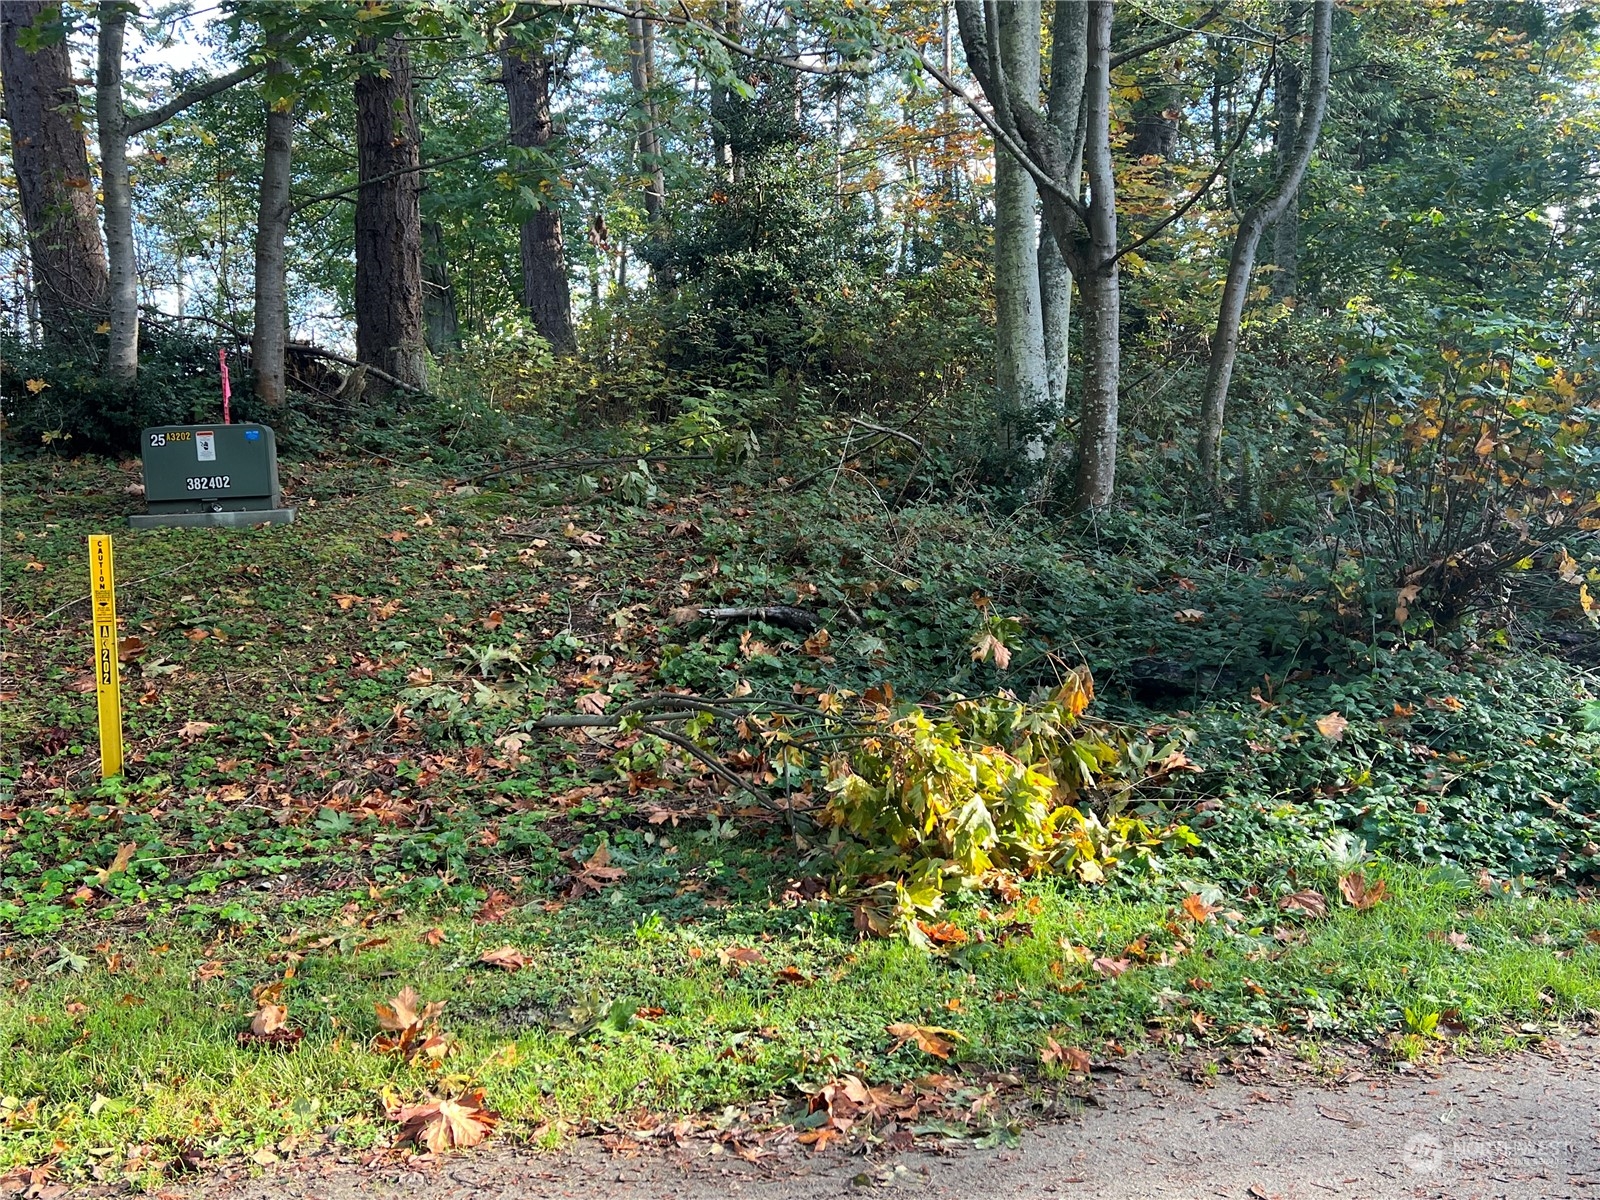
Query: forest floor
[(337, 790), (1520, 1127)]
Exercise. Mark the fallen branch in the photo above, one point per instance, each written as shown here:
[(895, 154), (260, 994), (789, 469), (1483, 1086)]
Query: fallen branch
[(578, 464), (393, 380), (783, 615)]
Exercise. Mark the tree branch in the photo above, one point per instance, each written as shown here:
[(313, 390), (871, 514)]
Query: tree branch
[(1166, 39), (145, 122), (1222, 162)]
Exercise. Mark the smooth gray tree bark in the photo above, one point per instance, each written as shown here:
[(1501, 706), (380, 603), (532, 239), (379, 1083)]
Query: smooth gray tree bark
[(116, 125), (1241, 260), (122, 307), (1099, 278), (1022, 378)]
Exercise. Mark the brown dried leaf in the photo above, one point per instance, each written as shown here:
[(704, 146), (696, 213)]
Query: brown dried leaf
[(125, 853), (1309, 902), (507, 958), (269, 1018), (735, 957), (1358, 893), (930, 1039), (1073, 1058), (1198, 910), (441, 1125), (1332, 726)]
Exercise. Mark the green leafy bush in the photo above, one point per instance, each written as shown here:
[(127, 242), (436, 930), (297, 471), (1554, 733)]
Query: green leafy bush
[(991, 790)]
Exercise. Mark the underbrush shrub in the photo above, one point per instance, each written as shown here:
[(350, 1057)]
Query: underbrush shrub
[(987, 792), (1491, 764), (59, 402)]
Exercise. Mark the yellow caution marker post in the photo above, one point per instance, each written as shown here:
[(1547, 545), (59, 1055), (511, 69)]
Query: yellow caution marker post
[(107, 686)]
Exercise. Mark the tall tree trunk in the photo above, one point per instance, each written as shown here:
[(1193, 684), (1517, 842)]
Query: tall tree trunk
[(724, 156), (388, 232), (440, 323), (1230, 316), (1055, 294), (545, 291), (270, 336), (68, 264), (1099, 282), (641, 69), (1286, 230), (1022, 379), (122, 349)]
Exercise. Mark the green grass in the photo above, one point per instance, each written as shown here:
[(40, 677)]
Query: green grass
[(132, 1045), (330, 753)]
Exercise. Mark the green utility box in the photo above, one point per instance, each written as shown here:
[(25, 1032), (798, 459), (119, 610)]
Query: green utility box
[(210, 475)]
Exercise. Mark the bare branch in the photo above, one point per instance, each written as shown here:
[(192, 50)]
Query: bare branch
[(145, 122)]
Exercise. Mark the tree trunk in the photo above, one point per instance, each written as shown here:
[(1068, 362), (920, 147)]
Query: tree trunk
[(122, 349), (1230, 316), (440, 323), (269, 338), (1022, 380), (641, 64), (1055, 293), (388, 232), (545, 291), (724, 156), (68, 264), (1099, 283), (1286, 231)]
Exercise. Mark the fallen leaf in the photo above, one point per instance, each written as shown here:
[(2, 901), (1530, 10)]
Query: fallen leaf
[(1358, 893), (507, 958), (269, 1018), (793, 975), (1332, 726), (130, 648), (817, 644), (494, 620), (1198, 910), (441, 1125), (433, 936), (593, 703), (943, 933), (930, 1039), (596, 874), (194, 729), (402, 1011), (1402, 607), (735, 957), (1309, 902), (124, 856), (346, 600), (1111, 967), (1189, 616), (1073, 1058), (495, 906)]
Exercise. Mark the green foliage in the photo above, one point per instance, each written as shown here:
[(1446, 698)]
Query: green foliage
[(995, 788), (1468, 449), (58, 402)]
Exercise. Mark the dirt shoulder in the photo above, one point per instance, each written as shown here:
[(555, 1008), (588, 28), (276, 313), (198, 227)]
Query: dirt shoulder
[(1527, 1125)]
